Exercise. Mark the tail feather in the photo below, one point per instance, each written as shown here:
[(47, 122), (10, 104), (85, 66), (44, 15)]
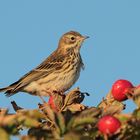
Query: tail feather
[(9, 91), (4, 89)]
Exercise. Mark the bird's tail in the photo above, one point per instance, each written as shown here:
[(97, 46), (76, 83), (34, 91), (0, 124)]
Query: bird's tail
[(11, 89), (4, 89), (8, 91)]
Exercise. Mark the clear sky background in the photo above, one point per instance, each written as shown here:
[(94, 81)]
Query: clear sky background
[(30, 30)]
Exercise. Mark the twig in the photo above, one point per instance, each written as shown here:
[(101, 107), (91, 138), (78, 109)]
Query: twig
[(15, 106)]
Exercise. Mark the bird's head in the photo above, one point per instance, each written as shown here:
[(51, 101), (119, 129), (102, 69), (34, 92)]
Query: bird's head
[(71, 40)]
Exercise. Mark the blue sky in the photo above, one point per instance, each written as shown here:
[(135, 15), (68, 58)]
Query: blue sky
[(30, 30)]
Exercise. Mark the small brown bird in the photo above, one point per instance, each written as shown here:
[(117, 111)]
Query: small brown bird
[(57, 73)]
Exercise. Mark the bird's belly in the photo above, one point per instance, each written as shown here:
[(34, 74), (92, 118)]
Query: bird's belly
[(59, 81), (65, 81)]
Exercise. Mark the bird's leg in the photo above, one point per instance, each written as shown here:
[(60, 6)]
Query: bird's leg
[(47, 92), (40, 96), (42, 99)]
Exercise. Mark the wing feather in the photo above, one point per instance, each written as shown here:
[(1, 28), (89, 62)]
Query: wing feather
[(52, 63)]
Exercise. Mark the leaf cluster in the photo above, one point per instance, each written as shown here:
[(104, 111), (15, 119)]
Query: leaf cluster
[(71, 120)]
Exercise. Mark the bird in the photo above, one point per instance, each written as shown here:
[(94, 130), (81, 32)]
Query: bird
[(57, 73)]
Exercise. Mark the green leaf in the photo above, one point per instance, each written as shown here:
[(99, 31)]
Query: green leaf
[(130, 130), (136, 113), (87, 116), (56, 134), (136, 96), (4, 135), (29, 122), (60, 122), (39, 133), (83, 121), (31, 113), (45, 108), (92, 111), (124, 117), (72, 136)]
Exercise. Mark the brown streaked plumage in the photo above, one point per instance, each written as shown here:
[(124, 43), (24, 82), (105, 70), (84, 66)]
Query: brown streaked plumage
[(57, 73)]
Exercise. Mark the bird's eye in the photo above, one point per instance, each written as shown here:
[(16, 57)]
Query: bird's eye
[(72, 38)]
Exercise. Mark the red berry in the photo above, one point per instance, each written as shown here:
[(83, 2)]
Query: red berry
[(52, 103), (120, 88), (108, 124)]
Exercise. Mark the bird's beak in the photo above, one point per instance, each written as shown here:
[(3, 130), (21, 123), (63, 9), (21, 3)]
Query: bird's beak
[(83, 38), (86, 37)]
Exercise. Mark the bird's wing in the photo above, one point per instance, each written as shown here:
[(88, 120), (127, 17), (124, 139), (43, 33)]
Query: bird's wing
[(51, 64)]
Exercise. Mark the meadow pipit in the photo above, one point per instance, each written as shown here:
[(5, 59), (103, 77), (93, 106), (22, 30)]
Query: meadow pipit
[(57, 73)]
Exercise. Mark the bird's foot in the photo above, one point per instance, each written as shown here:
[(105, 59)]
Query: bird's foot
[(42, 99)]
